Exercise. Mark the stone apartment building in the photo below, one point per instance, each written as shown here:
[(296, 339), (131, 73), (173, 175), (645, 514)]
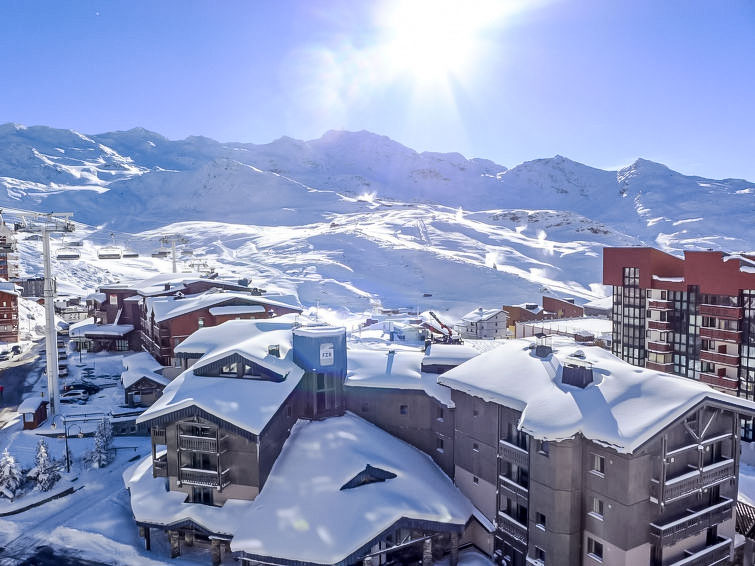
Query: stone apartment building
[(575, 466), (693, 317)]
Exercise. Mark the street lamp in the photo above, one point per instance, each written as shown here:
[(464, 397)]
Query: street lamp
[(75, 421)]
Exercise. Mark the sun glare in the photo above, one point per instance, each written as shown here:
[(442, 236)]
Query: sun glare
[(433, 40)]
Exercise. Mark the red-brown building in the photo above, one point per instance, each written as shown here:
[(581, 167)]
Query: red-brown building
[(562, 308), (8, 312), (694, 316)]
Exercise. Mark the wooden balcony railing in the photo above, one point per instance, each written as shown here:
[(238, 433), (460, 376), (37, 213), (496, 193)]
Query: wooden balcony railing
[(717, 553), (723, 382), (514, 454), (158, 435), (720, 334), (200, 443), (160, 467), (719, 358), (691, 523), (512, 489), (512, 527), (694, 481), (207, 478)]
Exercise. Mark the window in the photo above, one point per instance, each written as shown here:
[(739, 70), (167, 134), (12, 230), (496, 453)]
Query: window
[(475, 447), (543, 447), (475, 479), (121, 345), (594, 549), (598, 464), (439, 444), (440, 413), (289, 411), (540, 520), (404, 409), (200, 322), (475, 413), (597, 508), (540, 554), (114, 300), (201, 495)]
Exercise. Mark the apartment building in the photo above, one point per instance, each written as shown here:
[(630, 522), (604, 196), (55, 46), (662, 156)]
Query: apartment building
[(581, 459), (693, 317), (9, 295), (484, 324), (257, 425)]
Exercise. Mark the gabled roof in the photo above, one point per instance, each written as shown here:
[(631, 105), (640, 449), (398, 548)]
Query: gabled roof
[(139, 366), (165, 308), (448, 354), (623, 408), (480, 314), (212, 339)]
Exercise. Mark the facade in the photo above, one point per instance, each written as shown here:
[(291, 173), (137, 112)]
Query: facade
[(573, 474), (8, 252), (9, 295), (484, 324), (562, 308), (693, 317)]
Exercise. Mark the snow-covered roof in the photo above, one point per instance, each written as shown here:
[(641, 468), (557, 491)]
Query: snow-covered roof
[(480, 314), (302, 514), (9, 288), (165, 308), (602, 303), (31, 404), (596, 326), (668, 279), (535, 307), (89, 330), (624, 407), (141, 365), (449, 354), (231, 310), (246, 403), (396, 369), (212, 338), (97, 297), (320, 331)]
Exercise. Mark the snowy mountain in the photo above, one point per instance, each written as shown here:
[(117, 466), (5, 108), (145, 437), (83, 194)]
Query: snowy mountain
[(353, 218)]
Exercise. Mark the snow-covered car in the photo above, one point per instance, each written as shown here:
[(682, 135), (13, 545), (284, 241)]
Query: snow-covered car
[(74, 396)]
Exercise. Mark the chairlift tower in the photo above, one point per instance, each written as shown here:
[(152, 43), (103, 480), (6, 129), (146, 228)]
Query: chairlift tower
[(173, 240), (46, 224)]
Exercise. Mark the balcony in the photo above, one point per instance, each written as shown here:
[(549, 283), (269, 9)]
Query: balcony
[(668, 367), (717, 553), (512, 527), (660, 305), (158, 435), (658, 324), (200, 443), (662, 347), (514, 454), (160, 467), (512, 489), (721, 311), (718, 358), (730, 383), (206, 478), (691, 523), (694, 481), (721, 334)]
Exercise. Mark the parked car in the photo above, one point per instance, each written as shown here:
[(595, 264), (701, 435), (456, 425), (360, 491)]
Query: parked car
[(74, 396), (16, 350), (88, 387)]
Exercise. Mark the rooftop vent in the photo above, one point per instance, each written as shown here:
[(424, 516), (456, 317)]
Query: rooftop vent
[(369, 475), (530, 306), (577, 373), (274, 350), (543, 347)]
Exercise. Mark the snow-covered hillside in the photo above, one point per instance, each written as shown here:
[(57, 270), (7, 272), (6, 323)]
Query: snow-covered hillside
[(354, 218)]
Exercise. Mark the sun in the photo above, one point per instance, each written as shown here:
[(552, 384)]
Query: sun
[(434, 40)]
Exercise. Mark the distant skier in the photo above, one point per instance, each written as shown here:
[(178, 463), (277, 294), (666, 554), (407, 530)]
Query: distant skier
[(1, 392)]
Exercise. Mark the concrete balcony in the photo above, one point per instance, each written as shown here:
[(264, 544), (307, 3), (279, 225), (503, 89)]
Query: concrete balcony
[(660, 305), (658, 324), (512, 489), (693, 482), (206, 478), (662, 347), (160, 467), (720, 334), (718, 358), (668, 367), (717, 553), (694, 521), (514, 454), (720, 311), (722, 382), (513, 528)]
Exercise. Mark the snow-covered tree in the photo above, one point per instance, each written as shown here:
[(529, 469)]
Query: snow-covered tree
[(103, 440), (45, 471), (10, 475)]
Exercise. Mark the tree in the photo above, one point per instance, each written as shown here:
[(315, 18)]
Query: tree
[(44, 471), (10, 475), (103, 440)]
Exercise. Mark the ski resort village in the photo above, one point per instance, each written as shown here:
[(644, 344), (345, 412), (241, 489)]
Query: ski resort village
[(160, 408)]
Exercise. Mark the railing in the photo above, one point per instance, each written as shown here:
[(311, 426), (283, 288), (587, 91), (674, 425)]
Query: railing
[(721, 311), (158, 435), (720, 381), (512, 527), (658, 304), (717, 553), (514, 454), (721, 334), (198, 443), (669, 367), (658, 325), (691, 523), (512, 489), (659, 347), (694, 481), (719, 358), (160, 467), (207, 478)]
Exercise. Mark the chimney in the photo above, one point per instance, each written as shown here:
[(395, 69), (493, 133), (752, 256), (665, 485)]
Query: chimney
[(543, 347), (274, 350), (576, 373)]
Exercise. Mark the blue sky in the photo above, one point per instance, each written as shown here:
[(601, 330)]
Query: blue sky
[(601, 82)]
